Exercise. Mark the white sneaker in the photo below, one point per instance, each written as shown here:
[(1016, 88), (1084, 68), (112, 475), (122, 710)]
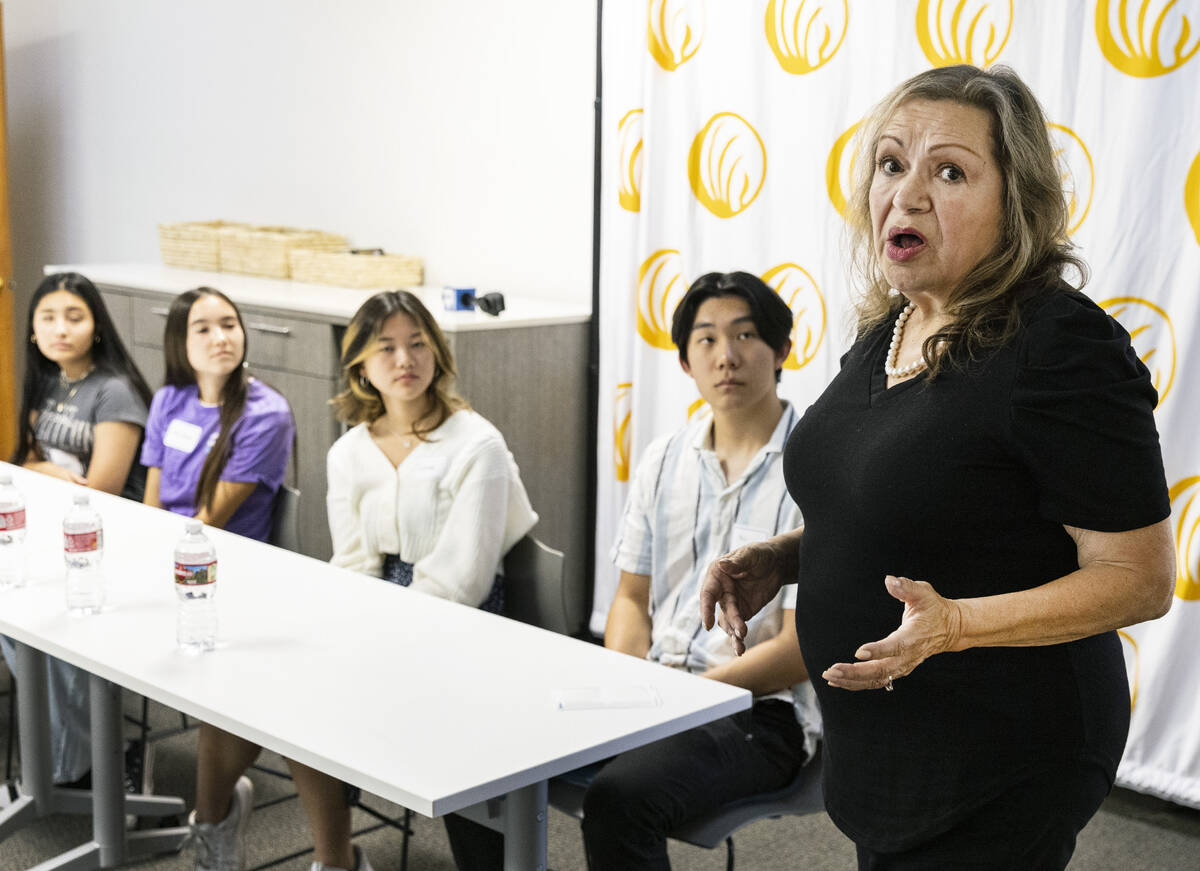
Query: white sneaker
[(219, 845), (360, 863)]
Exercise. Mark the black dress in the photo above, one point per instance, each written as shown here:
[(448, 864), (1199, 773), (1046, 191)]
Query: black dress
[(966, 483)]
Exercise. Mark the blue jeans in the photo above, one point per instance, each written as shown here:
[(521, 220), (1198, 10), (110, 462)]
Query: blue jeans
[(70, 717), (397, 571)]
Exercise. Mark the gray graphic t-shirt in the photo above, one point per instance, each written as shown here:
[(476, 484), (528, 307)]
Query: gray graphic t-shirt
[(65, 427)]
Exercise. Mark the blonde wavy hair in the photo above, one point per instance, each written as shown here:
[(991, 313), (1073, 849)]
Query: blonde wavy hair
[(360, 402), (1034, 249)]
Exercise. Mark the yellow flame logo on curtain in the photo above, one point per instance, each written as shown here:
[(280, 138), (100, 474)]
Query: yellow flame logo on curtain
[(727, 164), (660, 287), (622, 434), (801, 37), (1134, 657), (1153, 337), (963, 32), (629, 157), (1134, 36), (798, 289), (1076, 170), (1186, 511), (674, 31), (839, 170), (1191, 196)]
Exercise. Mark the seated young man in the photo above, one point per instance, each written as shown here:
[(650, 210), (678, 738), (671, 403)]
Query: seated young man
[(697, 494)]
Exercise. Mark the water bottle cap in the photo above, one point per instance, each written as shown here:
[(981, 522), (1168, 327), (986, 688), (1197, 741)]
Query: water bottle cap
[(192, 526), (81, 499)]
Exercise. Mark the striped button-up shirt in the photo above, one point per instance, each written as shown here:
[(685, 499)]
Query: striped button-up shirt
[(680, 516)]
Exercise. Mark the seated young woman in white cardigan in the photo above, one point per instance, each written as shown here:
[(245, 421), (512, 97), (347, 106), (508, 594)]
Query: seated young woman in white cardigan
[(422, 490)]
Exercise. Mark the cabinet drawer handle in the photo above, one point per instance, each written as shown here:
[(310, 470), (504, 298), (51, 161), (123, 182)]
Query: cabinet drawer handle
[(270, 328), (160, 311)]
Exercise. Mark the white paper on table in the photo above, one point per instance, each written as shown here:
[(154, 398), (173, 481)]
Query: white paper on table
[(592, 698)]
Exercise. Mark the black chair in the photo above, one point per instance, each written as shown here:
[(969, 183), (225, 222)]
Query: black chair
[(533, 586), (11, 692), (285, 519), (801, 796)]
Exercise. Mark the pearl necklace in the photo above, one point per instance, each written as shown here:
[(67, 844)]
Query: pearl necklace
[(889, 364)]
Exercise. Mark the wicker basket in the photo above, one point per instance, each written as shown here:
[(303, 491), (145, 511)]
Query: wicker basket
[(360, 269), (193, 244), (264, 250)]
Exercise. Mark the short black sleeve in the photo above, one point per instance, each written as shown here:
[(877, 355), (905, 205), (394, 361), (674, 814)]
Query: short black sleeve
[(1082, 419)]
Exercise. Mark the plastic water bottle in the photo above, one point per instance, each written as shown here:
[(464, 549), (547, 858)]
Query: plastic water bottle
[(196, 587), (83, 550), (12, 534)]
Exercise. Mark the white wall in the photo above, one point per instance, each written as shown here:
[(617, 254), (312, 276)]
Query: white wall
[(457, 131)]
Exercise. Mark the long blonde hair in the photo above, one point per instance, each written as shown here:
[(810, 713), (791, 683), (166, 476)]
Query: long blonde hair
[(360, 402), (1034, 248)]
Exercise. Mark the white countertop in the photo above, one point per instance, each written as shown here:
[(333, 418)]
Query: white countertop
[(334, 304)]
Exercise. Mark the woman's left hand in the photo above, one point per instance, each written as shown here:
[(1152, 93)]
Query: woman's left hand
[(930, 624)]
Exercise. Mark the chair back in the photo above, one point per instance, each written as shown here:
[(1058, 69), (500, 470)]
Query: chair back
[(533, 586), (285, 519)]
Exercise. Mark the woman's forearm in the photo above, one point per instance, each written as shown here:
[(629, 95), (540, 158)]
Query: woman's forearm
[(1114, 587), (787, 545)]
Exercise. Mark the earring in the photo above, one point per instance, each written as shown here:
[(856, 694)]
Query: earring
[(95, 340), (33, 340), (245, 364), (363, 382)]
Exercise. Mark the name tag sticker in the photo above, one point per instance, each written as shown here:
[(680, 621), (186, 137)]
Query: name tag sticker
[(182, 436), (742, 535)]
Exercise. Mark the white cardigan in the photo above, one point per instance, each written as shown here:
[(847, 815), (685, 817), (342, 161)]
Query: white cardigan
[(453, 507)]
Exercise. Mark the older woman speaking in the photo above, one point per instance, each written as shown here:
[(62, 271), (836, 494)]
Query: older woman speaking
[(983, 497)]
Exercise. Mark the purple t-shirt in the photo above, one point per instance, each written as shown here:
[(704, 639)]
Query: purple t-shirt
[(180, 431)]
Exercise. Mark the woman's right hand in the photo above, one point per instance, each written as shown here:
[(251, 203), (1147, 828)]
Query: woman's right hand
[(742, 583)]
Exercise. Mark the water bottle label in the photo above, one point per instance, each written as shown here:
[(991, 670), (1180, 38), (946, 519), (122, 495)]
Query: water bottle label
[(82, 542), (195, 574), (12, 520)]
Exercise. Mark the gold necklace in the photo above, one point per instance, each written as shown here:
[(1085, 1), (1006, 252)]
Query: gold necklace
[(73, 386)]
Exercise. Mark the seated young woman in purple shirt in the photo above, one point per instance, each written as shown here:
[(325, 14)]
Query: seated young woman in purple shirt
[(217, 440), (217, 446)]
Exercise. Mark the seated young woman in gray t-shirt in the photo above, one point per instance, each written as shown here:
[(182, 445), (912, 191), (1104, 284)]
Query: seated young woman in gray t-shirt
[(83, 406), (83, 412)]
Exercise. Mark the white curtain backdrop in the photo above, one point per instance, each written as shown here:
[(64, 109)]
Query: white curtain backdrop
[(725, 145)]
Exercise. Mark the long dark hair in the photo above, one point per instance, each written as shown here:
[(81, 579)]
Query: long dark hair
[(181, 374), (360, 401), (108, 355)]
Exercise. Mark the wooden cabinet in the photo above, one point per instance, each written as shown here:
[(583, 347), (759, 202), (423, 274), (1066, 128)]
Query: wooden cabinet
[(526, 374)]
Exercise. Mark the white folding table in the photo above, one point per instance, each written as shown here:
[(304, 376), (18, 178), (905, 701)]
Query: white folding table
[(437, 707)]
